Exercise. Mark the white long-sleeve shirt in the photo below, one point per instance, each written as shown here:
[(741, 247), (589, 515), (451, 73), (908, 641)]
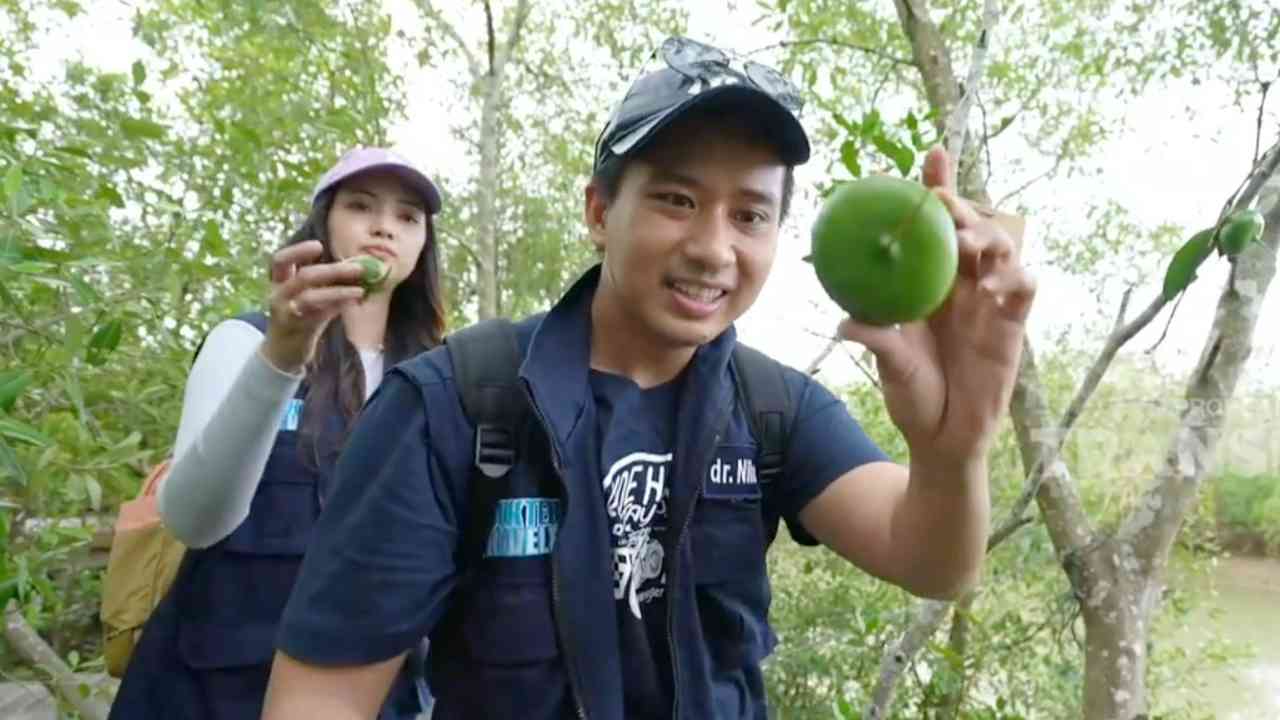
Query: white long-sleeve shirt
[(232, 408)]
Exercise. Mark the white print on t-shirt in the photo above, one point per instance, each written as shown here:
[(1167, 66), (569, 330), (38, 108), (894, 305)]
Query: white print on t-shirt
[(636, 491)]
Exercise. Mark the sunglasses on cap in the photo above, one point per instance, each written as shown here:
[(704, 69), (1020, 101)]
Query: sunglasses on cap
[(713, 67)]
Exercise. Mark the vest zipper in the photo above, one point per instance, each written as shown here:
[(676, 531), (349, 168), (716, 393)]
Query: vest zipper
[(675, 567), (561, 626)]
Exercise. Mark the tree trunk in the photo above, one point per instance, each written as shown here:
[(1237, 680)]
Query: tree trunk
[(487, 220), (1117, 610), (490, 78)]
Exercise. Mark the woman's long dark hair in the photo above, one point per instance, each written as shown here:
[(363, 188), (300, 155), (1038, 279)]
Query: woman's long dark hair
[(335, 376)]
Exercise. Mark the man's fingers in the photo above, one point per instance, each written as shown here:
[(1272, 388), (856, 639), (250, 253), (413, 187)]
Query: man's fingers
[(937, 169), (895, 358), (962, 211), (1015, 291), (982, 254)]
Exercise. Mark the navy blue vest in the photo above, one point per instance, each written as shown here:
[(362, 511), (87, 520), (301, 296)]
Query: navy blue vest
[(206, 651)]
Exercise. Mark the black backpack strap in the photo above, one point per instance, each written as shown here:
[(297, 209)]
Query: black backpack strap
[(764, 392), (254, 318), (486, 368)]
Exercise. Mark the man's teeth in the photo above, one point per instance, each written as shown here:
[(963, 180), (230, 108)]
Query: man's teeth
[(698, 292)]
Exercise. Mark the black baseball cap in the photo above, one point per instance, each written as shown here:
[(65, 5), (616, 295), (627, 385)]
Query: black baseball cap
[(659, 98)]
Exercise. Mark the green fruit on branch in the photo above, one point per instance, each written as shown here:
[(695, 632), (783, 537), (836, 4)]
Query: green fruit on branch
[(885, 250), (1241, 228)]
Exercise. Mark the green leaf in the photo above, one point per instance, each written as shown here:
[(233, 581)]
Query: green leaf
[(213, 242), (32, 267), (849, 126), (1182, 268), (111, 195), (6, 297), (13, 181), (913, 127), (93, 489), (871, 124), (902, 156), (12, 383), (74, 151), (849, 156), (83, 289), (139, 72), (9, 460), (17, 430), (105, 339), (137, 129)]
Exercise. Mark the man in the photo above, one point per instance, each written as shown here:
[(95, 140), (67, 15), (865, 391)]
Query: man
[(624, 574)]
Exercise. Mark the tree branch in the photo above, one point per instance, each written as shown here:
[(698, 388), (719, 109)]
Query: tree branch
[(865, 372), (812, 367), (455, 239), (1262, 106), (834, 43), (1253, 182), (1057, 163), (28, 644), (434, 18), (958, 122), (1154, 523), (1052, 448), (517, 27), (931, 56), (926, 619), (490, 40), (959, 650), (1068, 525)]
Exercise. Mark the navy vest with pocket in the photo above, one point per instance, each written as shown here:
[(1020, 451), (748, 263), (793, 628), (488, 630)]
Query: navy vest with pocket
[(206, 651), (528, 634)]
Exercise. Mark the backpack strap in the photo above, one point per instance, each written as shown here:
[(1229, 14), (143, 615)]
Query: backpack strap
[(255, 318), (486, 368), (764, 392)]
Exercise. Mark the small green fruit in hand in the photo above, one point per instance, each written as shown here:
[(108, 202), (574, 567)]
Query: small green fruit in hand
[(885, 250), (375, 272), (1240, 229)]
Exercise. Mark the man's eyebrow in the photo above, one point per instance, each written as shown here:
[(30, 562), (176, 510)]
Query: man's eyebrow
[(671, 176), (754, 194)]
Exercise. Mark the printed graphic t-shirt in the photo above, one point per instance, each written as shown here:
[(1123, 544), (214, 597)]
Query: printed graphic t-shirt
[(636, 435)]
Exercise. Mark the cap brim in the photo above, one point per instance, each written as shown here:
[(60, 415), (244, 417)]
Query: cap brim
[(786, 131), (416, 180)]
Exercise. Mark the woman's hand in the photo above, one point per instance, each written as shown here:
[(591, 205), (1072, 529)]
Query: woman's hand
[(306, 296)]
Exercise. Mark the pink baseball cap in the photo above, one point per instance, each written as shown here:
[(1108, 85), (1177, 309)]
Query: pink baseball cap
[(360, 159)]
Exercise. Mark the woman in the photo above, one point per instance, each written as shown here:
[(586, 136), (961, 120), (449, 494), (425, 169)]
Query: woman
[(268, 403)]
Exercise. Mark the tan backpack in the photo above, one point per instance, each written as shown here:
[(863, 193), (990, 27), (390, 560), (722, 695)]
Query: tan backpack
[(142, 564)]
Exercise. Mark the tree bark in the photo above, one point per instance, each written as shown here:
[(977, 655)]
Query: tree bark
[(1117, 606), (493, 100)]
